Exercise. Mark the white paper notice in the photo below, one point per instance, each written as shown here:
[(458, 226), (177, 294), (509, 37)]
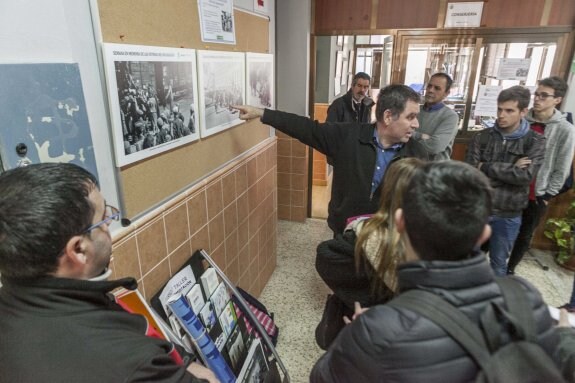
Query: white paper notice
[(486, 103), (463, 15), (513, 69), (217, 21)]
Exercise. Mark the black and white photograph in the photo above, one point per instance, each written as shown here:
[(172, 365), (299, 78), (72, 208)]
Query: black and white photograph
[(153, 99), (221, 78), (260, 80), (44, 116)]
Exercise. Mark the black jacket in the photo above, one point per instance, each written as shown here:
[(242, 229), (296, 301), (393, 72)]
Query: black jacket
[(68, 330), (353, 154), (342, 110), (387, 344), (510, 184), (335, 264)]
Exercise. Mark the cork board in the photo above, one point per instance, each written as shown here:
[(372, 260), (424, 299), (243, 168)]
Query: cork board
[(175, 23)]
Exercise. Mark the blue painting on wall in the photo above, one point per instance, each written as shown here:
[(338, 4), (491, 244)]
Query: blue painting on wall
[(43, 116)]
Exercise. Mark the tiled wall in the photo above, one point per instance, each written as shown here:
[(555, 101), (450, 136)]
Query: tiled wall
[(292, 162), (231, 214), (320, 170)]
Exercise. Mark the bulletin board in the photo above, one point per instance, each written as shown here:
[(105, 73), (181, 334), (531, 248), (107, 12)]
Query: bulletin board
[(175, 23)]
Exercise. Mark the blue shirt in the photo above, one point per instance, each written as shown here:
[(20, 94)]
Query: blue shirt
[(383, 158), (433, 108)]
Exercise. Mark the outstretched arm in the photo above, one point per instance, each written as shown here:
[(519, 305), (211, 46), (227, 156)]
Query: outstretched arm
[(248, 112)]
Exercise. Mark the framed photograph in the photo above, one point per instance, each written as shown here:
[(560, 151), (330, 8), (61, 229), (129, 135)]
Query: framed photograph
[(222, 83), (260, 80), (44, 116), (153, 99)]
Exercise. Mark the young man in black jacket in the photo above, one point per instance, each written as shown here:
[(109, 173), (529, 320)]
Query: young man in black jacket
[(443, 219), (510, 155), (361, 153), (58, 322)]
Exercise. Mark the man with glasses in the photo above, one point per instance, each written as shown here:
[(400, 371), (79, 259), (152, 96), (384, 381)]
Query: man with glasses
[(58, 321), (560, 146)]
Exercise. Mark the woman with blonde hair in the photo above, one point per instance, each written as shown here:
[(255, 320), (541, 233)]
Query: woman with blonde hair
[(360, 265)]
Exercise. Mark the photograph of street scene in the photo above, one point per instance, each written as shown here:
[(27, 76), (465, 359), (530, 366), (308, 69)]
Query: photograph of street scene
[(155, 106), (222, 84), (260, 79)]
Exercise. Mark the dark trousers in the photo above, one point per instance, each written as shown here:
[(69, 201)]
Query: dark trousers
[(530, 220)]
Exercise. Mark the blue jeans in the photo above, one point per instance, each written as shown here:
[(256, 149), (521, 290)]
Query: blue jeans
[(504, 233)]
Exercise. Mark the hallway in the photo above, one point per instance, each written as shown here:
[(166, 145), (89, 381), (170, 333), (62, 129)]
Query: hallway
[(296, 294)]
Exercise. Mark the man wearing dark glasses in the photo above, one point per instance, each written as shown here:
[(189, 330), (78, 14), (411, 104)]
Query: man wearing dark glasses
[(58, 321), (545, 119)]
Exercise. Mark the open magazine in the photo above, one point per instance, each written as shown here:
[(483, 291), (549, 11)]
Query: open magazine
[(198, 306)]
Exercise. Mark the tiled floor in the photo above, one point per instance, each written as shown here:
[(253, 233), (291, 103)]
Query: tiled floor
[(296, 294)]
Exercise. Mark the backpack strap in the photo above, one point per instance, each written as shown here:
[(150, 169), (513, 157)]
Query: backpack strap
[(449, 318), (518, 305)]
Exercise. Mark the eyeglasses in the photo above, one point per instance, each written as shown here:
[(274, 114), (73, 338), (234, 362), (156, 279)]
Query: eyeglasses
[(110, 214), (542, 95)]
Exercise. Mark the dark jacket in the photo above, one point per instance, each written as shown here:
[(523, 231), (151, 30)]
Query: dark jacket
[(353, 153), (498, 155), (388, 344), (342, 110), (335, 264), (68, 330)]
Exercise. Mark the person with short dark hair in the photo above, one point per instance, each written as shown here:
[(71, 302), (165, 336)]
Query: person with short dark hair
[(559, 133), (361, 152), (58, 321), (510, 155), (442, 221), (437, 122), (355, 105)]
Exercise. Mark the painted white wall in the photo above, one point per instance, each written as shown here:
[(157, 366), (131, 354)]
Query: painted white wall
[(60, 31), (293, 23)]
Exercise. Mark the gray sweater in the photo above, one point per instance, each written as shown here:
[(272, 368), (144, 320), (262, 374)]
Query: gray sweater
[(559, 149), (441, 125)]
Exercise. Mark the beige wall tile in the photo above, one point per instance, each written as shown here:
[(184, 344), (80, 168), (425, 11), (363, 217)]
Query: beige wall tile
[(216, 227), (284, 212), (252, 167), (284, 147), (219, 256), (229, 188), (241, 179), (243, 233), (180, 256), (299, 214), (201, 240), (197, 211), (243, 207), (284, 197), (156, 278), (215, 199), (177, 229), (284, 164), (152, 245), (299, 165), (233, 271), (298, 149), (297, 198), (298, 181), (230, 218), (126, 262), (232, 248), (284, 180)]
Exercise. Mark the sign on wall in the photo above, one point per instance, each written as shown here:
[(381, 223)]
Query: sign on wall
[(463, 15)]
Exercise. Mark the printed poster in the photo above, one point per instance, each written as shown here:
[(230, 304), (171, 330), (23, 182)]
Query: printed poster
[(217, 21)]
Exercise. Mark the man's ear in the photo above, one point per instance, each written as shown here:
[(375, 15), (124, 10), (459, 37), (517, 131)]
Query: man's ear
[(399, 221), (485, 234), (73, 260), (387, 117)]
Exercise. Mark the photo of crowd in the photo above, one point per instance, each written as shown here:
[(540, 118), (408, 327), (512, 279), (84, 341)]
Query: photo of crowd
[(156, 103)]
